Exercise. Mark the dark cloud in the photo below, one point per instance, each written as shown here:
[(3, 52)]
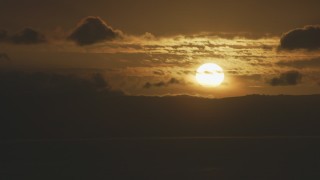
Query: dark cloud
[(186, 72), (93, 30), (158, 72), (172, 81), (52, 84), (289, 78), (160, 84), (25, 36), (301, 38), (28, 36), (4, 57), (99, 81), (147, 85), (315, 62), (3, 35)]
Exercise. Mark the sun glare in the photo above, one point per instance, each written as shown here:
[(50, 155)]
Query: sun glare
[(210, 75)]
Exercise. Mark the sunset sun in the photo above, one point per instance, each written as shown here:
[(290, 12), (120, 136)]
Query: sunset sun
[(210, 75)]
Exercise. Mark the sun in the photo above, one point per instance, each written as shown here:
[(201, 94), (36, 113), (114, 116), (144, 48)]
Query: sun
[(210, 75)]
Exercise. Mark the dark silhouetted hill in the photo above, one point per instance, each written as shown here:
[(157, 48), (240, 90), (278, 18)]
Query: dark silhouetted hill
[(41, 106)]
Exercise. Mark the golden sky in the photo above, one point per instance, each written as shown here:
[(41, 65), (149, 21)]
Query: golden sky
[(145, 48)]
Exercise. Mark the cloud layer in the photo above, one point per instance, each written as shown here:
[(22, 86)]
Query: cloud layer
[(4, 57), (92, 30), (301, 38), (172, 81), (53, 84), (289, 78), (28, 36), (3, 34), (305, 63)]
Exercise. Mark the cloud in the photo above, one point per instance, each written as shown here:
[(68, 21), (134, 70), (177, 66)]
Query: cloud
[(99, 81), (3, 35), (172, 81), (252, 77), (234, 35), (92, 30), (301, 38), (4, 57), (53, 84), (186, 72), (28, 36), (289, 78), (315, 62), (158, 72)]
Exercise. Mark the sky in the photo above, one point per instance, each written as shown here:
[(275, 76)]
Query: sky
[(153, 48)]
